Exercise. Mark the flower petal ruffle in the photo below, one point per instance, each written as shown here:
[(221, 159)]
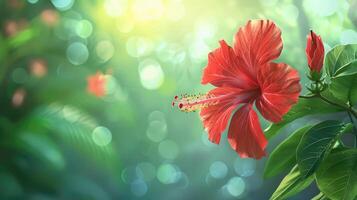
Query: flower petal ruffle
[(280, 89), (257, 43), (223, 69)]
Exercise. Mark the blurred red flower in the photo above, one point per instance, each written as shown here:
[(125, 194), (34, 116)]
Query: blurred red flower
[(96, 84), (18, 97), (243, 75), (50, 17), (38, 67), (315, 52), (13, 27)]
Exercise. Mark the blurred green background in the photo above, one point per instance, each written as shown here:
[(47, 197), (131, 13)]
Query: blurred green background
[(60, 142)]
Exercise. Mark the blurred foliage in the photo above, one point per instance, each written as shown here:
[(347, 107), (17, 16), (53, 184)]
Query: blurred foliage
[(60, 142)]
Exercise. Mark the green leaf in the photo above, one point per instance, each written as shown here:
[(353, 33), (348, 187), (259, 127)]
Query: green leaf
[(73, 127), (316, 143), (340, 57), (341, 65), (304, 107), (337, 176), (292, 184), (320, 196), (284, 155), (21, 38), (42, 147)]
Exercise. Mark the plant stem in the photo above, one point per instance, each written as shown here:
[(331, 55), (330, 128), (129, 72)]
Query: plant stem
[(347, 108)]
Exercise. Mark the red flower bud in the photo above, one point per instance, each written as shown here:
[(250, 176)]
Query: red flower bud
[(315, 52)]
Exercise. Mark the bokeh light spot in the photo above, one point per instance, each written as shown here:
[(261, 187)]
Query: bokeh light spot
[(156, 116), (156, 131), (101, 136), (32, 1), (139, 188), (77, 53), (236, 186), (245, 167), (218, 169), (105, 50), (205, 30), (168, 149), (111, 86), (167, 174), (128, 175), (63, 4), (151, 74), (84, 28)]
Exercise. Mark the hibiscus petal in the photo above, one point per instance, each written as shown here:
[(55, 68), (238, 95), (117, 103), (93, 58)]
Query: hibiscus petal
[(223, 69), (245, 134), (258, 43), (215, 117), (280, 89)]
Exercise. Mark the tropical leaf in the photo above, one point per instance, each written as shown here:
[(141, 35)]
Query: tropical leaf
[(304, 107), (320, 196), (284, 155), (42, 147), (292, 184), (73, 127), (337, 176), (341, 65), (340, 57), (316, 143)]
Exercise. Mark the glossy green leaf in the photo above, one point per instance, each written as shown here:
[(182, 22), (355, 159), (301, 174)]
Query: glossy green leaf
[(341, 65), (284, 155), (292, 184), (316, 143), (337, 176), (320, 196), (304, 107), (339, 57)]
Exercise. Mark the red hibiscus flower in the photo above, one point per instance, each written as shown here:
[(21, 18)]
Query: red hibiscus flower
[(244, 75), (96, 84), (315, 52)]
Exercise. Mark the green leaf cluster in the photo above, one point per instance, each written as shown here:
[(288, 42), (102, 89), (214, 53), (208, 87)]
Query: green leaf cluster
[(317, 152)]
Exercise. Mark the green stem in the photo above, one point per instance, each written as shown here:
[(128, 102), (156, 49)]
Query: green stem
[(349, 110), (345, 107)]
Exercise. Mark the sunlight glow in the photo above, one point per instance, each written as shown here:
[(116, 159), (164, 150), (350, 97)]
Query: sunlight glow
[(115, 8), (146, 10)]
